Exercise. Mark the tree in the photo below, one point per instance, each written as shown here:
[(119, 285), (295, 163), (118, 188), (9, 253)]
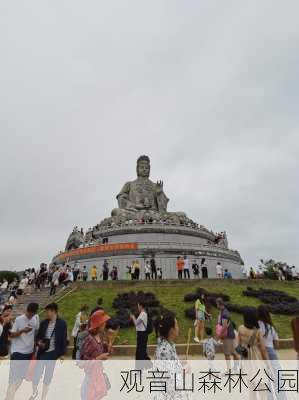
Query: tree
[(8, 275)]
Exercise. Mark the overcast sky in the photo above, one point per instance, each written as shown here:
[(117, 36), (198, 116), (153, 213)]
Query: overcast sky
[(208, 89)]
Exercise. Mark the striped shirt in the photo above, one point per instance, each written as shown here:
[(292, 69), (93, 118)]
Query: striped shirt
[(50, 334)]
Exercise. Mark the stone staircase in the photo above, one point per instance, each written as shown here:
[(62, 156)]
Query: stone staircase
[(41, 297)]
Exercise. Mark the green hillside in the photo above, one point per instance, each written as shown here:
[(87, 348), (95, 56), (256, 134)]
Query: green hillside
[(171, 295)]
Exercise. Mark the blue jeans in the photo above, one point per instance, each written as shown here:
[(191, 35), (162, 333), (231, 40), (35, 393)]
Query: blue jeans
[(272, 354)]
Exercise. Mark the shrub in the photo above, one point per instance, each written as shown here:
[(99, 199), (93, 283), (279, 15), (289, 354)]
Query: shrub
[(9, 275), (126, 303)]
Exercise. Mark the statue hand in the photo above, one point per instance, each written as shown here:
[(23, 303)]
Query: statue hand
[(159, 186)]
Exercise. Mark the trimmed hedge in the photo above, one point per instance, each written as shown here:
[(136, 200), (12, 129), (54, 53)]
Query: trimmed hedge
[(278, 302), (126, 303)]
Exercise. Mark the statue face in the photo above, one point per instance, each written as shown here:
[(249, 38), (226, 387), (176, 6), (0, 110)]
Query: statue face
[(143, 169)]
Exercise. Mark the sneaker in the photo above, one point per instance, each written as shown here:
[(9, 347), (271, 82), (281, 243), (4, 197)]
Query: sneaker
[(196, 340)]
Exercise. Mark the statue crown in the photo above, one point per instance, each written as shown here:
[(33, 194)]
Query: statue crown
[(143, 158)]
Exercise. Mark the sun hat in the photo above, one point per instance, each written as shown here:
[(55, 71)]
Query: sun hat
[(98, 319)]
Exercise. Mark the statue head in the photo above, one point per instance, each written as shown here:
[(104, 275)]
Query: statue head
[(143, 167)]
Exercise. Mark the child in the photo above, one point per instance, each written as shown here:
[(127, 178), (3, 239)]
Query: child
[(208, 346)]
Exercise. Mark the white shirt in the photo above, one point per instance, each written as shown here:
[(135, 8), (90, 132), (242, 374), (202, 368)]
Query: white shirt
[(1, 329), (294, 272), (23, 283), (24, 343), (77, 325), (186, 263), (4, 285), (70, 276), (141, 322), (271, 335), (219, 269)]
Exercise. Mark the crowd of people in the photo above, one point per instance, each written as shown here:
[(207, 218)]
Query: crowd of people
[(281, 272), (54, 277), (94, 332)]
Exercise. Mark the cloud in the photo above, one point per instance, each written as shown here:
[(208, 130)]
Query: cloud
[(209, 91)]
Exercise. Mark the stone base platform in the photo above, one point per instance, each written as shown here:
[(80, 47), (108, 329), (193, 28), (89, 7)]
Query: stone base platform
[(123, 245)]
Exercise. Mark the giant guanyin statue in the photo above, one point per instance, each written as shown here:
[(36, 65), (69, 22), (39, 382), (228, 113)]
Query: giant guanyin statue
[(142, 194)]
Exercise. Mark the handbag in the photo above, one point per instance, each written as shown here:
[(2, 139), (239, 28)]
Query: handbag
[(221, 331), (242, 350), (44, 344)]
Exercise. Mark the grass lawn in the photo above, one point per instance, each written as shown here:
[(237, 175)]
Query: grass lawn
[(171, 296)]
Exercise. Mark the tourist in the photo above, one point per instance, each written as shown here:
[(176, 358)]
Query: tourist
[(94, 273), (4, 285), (94, 348), (105, 270), (54, 282), (141, 325), (23, 332), (82, 334), (136, 270), (186, 268), (204, 269), (81, 318), (84, 274), (268, 331), (252, 273), (200, 318), (225, 331), (132, 270), (69, 278), (76, 271), (147, 270), (22, 337), (219, 270), (209, 345), (295, 330), (251, 345), (153, 268), (22, 285), (180, 266), (128, 274), (114, 273), (51, 343), (227, 274), (166, 357), (195, 269), (98, 306), (159, 273), (294, 273), (6, 324)]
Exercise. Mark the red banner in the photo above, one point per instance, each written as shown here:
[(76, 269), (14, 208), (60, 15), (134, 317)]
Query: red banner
[(100, 248)]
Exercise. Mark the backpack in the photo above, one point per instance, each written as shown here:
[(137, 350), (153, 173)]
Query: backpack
[(150, 325)]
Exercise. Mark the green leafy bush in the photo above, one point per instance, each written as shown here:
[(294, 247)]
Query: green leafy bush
[(9, 275)]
